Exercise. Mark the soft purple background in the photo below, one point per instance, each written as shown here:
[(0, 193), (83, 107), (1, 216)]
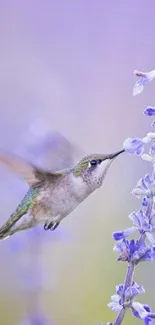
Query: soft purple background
[(69, 65)]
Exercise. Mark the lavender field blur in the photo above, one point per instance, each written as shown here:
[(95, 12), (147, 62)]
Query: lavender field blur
[(67, 66)]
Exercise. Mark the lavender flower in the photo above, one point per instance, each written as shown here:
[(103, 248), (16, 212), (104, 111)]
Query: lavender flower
[(141, 223), (141, 249), (145, 78), (125, 298), (134, 146), (150, 111)]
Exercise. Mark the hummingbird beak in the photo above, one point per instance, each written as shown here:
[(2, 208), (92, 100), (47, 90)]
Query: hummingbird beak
[(115, 154)]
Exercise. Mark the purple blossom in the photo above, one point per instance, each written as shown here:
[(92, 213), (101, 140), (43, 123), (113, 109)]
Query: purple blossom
[(125, 233), (149, 255), (135, 313), (147, 319), (134, 251), (133, 291), (124, 297), (139, 86), (144, 189), (115, 303), (139, 310), (145, 182), (120, 289), (134, 146), (141, 221), (145, 78), (150, 111)]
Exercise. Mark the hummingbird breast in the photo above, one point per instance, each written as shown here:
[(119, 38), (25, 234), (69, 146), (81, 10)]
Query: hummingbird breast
[(65, 196)]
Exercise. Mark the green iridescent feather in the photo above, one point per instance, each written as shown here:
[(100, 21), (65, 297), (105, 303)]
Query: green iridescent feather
[(23, 207)]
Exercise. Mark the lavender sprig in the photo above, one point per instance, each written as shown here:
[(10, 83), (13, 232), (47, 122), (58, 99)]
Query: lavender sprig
[(143, 249)]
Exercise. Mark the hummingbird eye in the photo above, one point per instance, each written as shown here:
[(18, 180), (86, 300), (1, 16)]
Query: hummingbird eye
[(95, 162)]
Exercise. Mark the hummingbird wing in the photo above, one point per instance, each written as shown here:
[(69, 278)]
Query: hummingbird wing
[(30, 173), (53, 151), (34, 177)]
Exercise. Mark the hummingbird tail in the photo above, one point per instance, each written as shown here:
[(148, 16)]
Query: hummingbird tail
[(8, 225), (20, 219), (7, 228), (6, 232), (4, 236)]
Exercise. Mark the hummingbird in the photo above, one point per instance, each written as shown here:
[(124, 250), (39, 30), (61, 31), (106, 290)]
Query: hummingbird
[(53, 195)]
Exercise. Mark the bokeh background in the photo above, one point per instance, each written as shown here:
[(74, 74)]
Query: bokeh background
[(68, 66)]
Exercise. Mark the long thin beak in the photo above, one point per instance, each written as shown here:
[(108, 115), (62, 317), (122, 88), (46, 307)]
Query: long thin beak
[(115, 154)]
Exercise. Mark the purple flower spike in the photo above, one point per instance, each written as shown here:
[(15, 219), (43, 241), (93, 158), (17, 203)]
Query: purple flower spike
[(150, 111), (141, 249), (134, 146)]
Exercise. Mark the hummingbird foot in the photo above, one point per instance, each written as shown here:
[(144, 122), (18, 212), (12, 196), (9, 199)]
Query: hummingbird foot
[(52, 225)]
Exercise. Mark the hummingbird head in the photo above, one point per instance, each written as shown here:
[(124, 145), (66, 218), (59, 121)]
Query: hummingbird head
[(93, 168)]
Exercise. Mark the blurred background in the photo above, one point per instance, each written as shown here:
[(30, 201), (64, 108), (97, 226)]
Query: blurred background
[(68, 66)]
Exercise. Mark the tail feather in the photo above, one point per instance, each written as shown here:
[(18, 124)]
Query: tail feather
[(4, 230), (10, 222), (4, 235), (13, 223)]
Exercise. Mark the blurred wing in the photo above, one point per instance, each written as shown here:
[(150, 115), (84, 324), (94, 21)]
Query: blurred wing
[(26, 170), (54, 152)]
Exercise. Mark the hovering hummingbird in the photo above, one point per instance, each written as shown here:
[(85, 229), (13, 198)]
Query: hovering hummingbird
[(53, 195)]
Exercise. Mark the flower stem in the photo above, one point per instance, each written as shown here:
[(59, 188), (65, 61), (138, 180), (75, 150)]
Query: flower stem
[(129, 276), (120, 316), (128, 282)]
